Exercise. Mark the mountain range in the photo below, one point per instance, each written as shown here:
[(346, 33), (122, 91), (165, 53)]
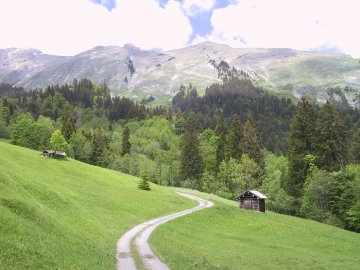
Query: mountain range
[(138, 74)]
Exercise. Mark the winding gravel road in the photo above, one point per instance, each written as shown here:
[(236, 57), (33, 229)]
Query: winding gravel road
[(139, 235)]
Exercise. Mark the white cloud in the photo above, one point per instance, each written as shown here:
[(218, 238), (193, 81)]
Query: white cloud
[(67, 27), (302, 24), (196, 7)]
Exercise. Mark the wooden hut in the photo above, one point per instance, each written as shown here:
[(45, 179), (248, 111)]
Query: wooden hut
[(252, 200), (54, 154)]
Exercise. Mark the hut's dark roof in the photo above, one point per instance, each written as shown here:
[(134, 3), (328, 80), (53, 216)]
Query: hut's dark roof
[(256, 193)]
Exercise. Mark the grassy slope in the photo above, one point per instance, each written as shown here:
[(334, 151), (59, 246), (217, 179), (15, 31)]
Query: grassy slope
[(225, 237), (67, 214)]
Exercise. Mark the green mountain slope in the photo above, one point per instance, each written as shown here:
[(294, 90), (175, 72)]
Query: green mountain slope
[(68, 215), (225, 237)]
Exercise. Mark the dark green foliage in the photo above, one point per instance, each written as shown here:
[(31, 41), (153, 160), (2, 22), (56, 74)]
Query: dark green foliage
[(220, 131), (240, 97), (252, 142), (301, 139), (345, 196), (4, 131), (330, 142), (80, 147), (100, 145), (126, 145), (191, 160), (316, 200), (144, 181), (235, 139), (355, 148), (68, 125)]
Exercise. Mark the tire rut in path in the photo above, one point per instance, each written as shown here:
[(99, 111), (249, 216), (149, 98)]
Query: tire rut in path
[(140, 235)]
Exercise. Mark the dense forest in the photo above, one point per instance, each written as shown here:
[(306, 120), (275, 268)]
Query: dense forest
[(304, 157)]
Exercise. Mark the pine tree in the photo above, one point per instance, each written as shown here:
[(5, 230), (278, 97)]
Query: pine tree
[(235, 139), (252, 142), (100, 143), (126, 145), (68, 125), (144, 182), (355, 148), (330, 141), (191, 160), (220, 131), (301, 143)]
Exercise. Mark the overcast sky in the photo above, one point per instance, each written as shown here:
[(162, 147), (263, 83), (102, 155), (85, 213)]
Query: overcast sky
[(68, 27)]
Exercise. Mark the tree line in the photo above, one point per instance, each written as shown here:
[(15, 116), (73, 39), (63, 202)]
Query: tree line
[(218, 142)]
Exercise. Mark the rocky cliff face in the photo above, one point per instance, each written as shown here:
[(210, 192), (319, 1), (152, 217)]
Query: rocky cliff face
[(136, 73)]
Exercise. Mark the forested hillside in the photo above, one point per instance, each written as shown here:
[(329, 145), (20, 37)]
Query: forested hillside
[(224, 142)]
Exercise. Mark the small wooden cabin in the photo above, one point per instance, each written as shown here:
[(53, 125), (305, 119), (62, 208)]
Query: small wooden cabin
[(252, 200), (54, 154)]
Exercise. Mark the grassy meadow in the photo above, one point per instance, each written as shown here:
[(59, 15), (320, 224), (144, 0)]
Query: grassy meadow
[(225, 237), (64, 214)]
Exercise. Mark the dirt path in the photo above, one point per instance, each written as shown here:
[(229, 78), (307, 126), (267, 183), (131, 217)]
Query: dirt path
[(139, 235)]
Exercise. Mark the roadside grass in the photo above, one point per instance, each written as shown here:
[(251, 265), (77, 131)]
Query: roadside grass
[(64, 214), (226, 237)]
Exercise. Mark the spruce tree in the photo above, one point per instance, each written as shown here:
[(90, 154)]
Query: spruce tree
[(235, 139), (191, 161), (68, 125), (301, 143), (126, 145), (144, 182), (220, 131), (252, 142), (100, 143), (330, 141), (355, 148)]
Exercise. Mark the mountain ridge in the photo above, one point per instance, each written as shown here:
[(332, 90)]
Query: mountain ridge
[(137, 73)]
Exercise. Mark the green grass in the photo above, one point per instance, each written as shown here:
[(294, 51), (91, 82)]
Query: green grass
[(68, 215), (225, 237)]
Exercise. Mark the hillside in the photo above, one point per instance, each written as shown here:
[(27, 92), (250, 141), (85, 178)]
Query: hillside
[(138, 74), (225, 237), (67, 214)]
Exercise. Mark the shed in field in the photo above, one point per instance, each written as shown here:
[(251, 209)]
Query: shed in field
[(54, 154), (252, 200)]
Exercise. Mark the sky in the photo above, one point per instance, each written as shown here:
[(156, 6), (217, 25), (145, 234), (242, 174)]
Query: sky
[(68, 27)]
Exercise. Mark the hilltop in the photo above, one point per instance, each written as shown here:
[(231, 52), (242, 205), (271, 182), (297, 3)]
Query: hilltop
[(137, 73)]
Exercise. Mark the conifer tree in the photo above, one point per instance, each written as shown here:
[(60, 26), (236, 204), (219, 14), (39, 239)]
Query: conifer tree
[(252, 142), (68, 125), (126, 145), (301, 143), (191, 161), (100, 143), (355, 148), (220, 131), (330, 142), (144, 182), (235, 139)]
